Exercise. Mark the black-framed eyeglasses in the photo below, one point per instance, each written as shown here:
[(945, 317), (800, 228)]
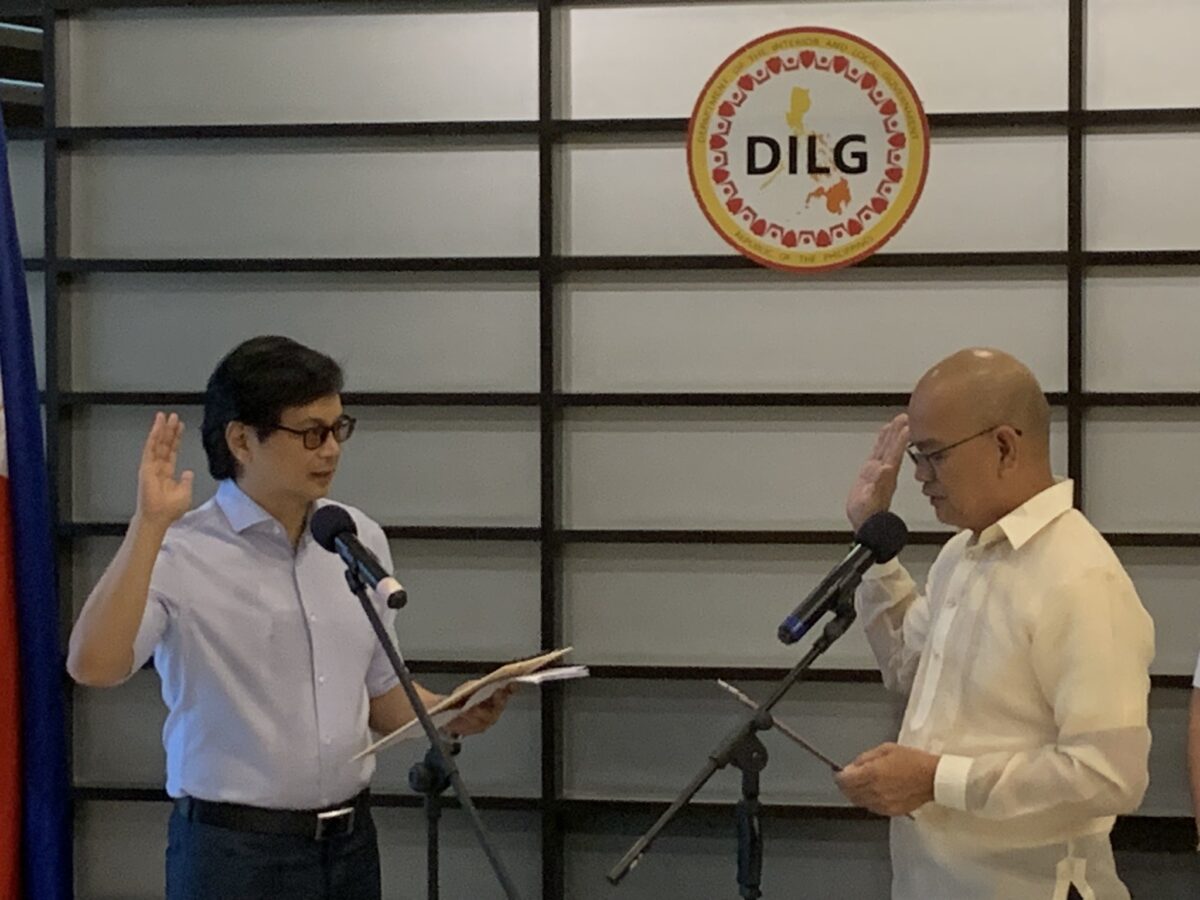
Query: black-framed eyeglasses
[(314, 437), (933, 457)]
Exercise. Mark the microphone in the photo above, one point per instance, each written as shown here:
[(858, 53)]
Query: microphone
[(879, 539), (334, 529)]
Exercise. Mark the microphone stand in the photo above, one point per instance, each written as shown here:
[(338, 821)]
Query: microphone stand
[(430, 779), (437, 745), (743, 749)]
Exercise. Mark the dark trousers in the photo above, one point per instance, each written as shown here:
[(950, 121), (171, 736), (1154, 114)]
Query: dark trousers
[(205, 862)]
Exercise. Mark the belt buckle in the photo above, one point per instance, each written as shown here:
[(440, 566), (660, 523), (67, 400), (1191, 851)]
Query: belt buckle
[(334, 823)]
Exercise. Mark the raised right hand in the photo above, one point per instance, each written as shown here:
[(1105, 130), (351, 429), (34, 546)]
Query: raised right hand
[(163, 498), (876, 484)]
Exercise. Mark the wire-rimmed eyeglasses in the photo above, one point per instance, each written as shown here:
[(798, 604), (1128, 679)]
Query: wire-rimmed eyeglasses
[(933, 457)]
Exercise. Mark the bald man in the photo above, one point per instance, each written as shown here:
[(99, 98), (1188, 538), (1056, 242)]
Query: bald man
[(1025, 658)]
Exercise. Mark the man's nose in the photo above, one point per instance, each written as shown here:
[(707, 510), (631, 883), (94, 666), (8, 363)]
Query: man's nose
[(330, 449)]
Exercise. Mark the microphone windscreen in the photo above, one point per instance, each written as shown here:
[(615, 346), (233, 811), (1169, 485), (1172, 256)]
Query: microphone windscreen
[(328, 522), (884, 534)]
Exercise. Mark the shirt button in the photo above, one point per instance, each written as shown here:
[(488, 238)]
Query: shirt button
[(312, 619), (320, 679)]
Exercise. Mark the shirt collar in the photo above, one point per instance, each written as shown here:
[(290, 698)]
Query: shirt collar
[(1020, 525), (239, 509), (243, 513)]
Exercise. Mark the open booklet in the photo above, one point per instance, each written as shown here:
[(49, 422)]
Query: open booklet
[(471, 693)]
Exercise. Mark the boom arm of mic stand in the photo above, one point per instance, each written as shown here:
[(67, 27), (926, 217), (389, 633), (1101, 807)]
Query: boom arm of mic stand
[(431, 731), (760, 721)]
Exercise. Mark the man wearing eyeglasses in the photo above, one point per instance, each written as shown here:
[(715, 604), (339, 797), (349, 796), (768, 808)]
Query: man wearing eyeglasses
[(1025, 658), (270, 671)]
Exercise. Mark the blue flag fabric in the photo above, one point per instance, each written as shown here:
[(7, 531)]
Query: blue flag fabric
[(45, 793)]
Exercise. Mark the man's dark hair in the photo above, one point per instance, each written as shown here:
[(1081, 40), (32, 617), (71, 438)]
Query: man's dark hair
[(254, 384)]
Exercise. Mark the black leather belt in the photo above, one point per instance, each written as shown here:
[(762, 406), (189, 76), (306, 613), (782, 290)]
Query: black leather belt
[(318, 824)]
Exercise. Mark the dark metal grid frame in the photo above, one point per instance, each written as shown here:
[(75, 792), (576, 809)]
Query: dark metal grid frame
[(559, 813)]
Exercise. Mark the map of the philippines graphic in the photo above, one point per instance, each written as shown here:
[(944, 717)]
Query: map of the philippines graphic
[(836, 194)]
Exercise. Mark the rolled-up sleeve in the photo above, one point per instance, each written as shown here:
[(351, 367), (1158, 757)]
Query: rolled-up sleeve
[(165, 588)]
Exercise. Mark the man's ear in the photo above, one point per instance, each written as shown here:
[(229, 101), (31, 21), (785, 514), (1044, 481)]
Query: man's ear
[(1008, 440), (237, 438)]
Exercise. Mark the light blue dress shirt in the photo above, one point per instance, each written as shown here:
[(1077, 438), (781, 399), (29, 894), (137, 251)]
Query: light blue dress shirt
[(267, 660)]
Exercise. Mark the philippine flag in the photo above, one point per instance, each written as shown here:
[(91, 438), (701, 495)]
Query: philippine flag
[(35, 838)]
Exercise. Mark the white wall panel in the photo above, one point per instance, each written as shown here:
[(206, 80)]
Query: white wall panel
[(764, 332), (835, 860), (35, 286), (120, 850), (26, 175), (504, 761), (631, 199), (687, 605), (1168, 792), (1141, 328), (1149, 873), (1168, 581), (390, 333), (464, 869), (1141, 53), (982, 193), (446, 466), (415, 466), (1137, 186), (1140, 467), (1001, 192), (469, 600), (985, 55), (313, 198), (171, 67), (89, 558), (106, 449), (118, 734), (737, 468), (761, 468), (644, 740)]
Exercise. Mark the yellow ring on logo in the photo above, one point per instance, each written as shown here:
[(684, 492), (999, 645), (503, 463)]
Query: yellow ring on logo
[(910, 113)]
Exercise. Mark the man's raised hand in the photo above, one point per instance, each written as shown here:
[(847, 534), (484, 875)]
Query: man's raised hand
[(163, 498), (876, 483)]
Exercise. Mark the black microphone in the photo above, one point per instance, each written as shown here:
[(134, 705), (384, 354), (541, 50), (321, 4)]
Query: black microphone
[(334, 529), (879, 539)]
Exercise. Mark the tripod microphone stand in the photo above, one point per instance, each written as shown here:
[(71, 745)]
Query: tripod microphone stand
[(742, 749), (440, 752), (430, 779)]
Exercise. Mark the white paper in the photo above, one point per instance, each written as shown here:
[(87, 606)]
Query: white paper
[(473, 693)]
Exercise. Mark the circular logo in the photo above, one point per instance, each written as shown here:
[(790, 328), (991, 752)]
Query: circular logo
[(808, 149)]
